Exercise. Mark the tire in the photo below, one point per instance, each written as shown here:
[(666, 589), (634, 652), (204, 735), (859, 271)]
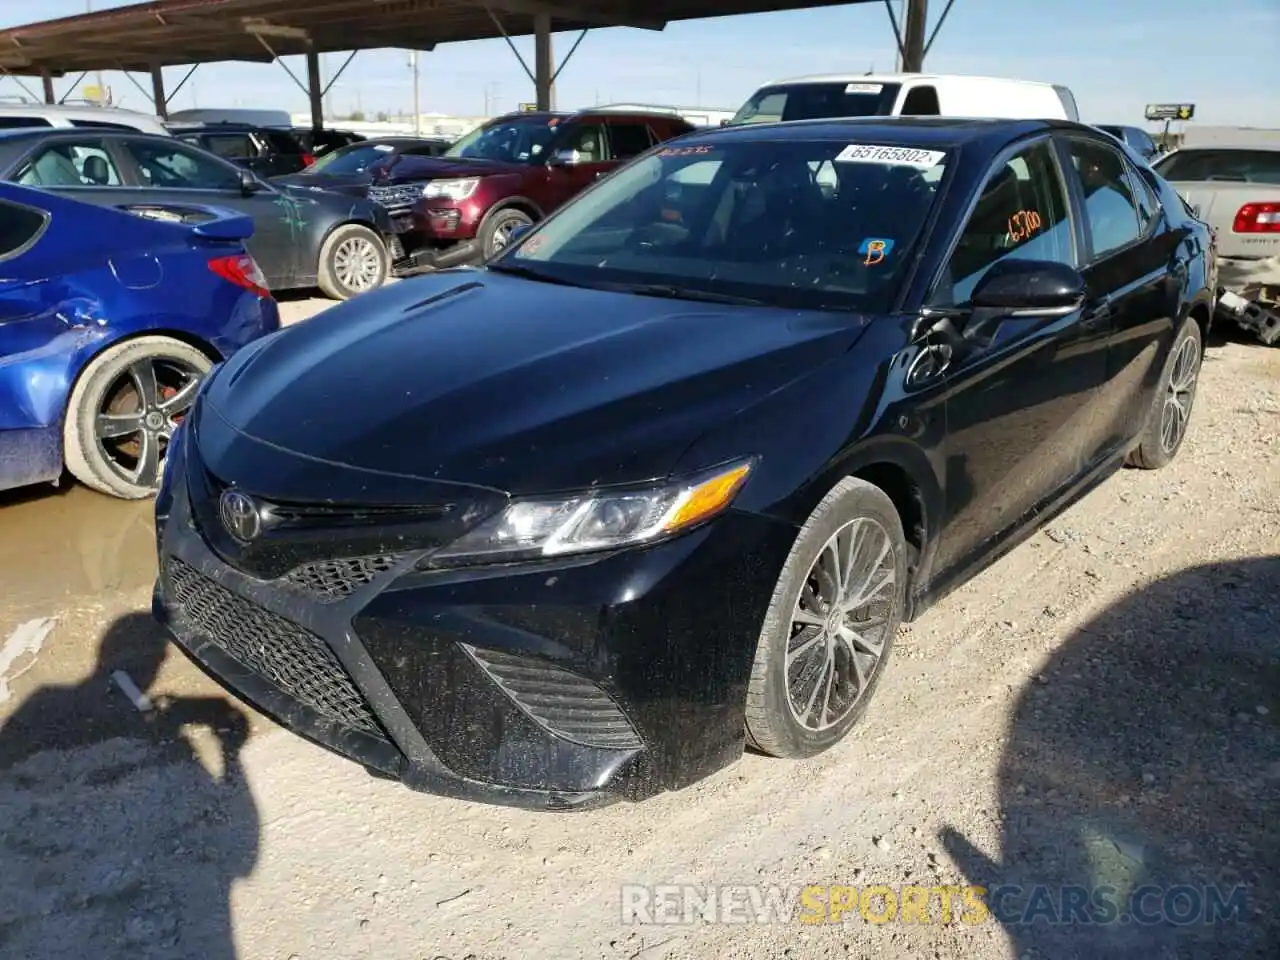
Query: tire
[(497, 227), (111, 427), (353, 260), (1162, 437), (859, 516)]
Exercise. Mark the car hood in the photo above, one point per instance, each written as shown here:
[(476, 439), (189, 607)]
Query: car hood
[(512, 384), (350, 184), (407, 169)]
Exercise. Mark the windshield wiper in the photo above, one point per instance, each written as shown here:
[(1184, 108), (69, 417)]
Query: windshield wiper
[(528, 273), (673, 292)]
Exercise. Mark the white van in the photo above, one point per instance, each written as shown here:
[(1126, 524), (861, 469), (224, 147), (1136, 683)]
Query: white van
[(906, 95), (17, 115)]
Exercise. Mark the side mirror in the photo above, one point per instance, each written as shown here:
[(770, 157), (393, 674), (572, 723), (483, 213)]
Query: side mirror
[(249, 184), (516, 232), (1030, 288)]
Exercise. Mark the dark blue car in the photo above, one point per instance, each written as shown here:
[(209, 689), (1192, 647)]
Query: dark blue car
[(109, 320)]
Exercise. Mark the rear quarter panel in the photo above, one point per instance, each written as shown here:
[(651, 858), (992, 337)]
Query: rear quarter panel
[(98, 277), (1217, 202)]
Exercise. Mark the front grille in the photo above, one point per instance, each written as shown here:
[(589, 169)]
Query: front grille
[(404, 195), (330, 581), (564, 704), (295, 660)]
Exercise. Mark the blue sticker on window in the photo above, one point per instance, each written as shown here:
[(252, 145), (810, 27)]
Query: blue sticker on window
[(875, 249)]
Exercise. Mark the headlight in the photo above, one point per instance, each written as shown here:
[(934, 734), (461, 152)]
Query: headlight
[(599, 520), (451, 189)]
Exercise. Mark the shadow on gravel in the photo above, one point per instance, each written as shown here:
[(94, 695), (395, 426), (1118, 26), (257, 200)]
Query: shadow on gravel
[(1140, 788), (122, 832)]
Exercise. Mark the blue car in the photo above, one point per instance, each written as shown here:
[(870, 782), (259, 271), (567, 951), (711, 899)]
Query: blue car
[(109, 320)]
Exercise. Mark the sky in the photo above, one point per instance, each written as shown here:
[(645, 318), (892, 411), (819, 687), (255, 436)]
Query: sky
[(1116, 56)]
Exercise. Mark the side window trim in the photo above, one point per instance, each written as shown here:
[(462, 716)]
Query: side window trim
[(997, 164), (1076, 187)]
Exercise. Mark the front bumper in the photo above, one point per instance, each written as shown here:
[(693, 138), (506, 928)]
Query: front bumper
[(552, 685), (435, 235)]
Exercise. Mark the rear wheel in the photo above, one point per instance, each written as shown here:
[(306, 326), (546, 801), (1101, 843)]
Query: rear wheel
[(353, 260), (495, 232), (830, 625), (123, 411), (1171, 408)]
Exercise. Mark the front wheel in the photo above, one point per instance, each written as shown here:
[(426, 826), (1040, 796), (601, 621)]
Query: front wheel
[(831, 623), (1170, 412), (353, 260), (496, 231), (123, 411)]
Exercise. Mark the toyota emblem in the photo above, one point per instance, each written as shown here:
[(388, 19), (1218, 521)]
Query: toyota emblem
[(239, 515)]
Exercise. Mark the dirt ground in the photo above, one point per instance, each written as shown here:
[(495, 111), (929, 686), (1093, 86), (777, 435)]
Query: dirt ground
[(1099, 708)]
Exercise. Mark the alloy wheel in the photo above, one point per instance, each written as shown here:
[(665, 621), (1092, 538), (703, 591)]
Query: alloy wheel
[(502, 235), (139, 413), (1179, 395), (357, 264), (840, 624)]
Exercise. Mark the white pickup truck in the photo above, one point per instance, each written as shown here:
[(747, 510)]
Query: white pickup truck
[(1236, 190)]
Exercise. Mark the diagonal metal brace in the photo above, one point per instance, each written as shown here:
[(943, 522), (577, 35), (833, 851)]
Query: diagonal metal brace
[(284, 66)]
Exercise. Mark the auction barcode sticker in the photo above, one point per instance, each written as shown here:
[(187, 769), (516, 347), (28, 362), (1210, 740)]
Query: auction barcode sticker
[(893, 156)]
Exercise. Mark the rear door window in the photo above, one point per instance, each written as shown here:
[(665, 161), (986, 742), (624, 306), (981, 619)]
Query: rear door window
[(70, 163), (627, 140), (20, 227), (1110, 204), (921, 102)]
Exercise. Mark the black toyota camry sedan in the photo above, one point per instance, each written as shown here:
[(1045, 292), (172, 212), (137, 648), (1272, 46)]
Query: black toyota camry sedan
[(664, 478)]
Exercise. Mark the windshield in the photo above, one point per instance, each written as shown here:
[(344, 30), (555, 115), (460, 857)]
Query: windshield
[(819, 224), (1240, 166), (817, 101), (521, 140), (356, 158)]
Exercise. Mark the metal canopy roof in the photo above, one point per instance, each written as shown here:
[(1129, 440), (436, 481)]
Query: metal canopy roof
[(162, 33)]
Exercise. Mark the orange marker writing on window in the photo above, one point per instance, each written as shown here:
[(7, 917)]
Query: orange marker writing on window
[(875, 253), (1023, 224)]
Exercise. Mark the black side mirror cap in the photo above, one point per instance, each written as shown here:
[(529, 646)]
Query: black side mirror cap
[(249, 184), (1031, 287)]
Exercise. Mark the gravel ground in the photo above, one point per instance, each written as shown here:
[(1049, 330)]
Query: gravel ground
[(1099, 708)]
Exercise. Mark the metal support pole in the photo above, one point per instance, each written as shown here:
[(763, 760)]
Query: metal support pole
[(49, 95), (315, 90), (543, 62), (157, 93), (913, 36)]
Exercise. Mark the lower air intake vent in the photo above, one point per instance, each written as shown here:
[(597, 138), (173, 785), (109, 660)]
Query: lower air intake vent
[(295, 660), (564, 704), (333, 580)]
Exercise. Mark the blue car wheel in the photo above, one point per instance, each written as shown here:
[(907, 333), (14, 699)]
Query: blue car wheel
[(123, 412)]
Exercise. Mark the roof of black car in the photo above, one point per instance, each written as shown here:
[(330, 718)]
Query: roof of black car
[(941, 132)]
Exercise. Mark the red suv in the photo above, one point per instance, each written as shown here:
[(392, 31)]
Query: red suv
[(462, 206)]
